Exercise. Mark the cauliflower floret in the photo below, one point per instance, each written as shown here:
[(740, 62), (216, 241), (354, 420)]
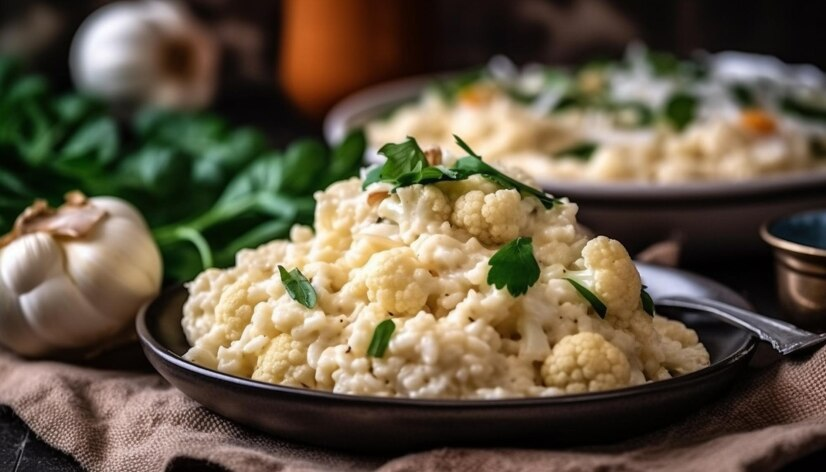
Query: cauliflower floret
[(586, 362), (284, 362), (534, 345), (615, 278), (266, 255), (675, 330), (341, 210), (494, 218), (417, 210), (397, 281), (456, 189), (199, 309), (683, 351), (439, 358), (611, 274), (235, 308)]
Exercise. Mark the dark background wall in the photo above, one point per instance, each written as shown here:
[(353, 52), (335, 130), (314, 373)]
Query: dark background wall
[(448, 34)]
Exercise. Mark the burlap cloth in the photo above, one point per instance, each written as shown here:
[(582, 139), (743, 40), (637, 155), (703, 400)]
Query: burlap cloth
[(116, 420)]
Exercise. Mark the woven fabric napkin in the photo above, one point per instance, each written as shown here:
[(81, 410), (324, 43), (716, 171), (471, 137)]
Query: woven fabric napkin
[(128, 421)]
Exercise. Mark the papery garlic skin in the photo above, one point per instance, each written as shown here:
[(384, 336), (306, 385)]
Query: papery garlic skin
[(145, 53), (59, 293)]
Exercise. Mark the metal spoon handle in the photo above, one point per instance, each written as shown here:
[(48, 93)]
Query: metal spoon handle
[(784, 337)]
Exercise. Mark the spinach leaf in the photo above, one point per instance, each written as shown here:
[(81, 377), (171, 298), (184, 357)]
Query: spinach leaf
[(304, 161), (743, 95), (803, 109), (95, 145), (582, 150), (680, 110)]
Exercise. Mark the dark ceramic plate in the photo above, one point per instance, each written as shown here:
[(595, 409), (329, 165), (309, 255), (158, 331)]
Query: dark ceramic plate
[(390, 424)]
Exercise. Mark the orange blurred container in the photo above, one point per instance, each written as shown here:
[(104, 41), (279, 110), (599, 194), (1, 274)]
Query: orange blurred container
[(331, 48)]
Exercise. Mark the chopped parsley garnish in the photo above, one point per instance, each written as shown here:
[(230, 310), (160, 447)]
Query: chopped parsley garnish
[(462, 144), (381, 338), (743, 95), (663, 63), (817, 148), (680, 110), (647, 301), (406, 165), (468, 166), (803, 110), (582, 150), (373, 176), (402, 158), (590, 297), (298, 287), (567, 102), (514, 266)]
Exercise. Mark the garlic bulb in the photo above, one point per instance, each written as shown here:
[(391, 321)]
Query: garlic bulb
[(146, 52), (74, 277)]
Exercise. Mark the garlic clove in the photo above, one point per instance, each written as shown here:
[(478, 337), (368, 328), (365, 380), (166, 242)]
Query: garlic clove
[(58, 313), (28, 260), (117, 207), (16, 333), (145, 52), (103, 267), (75, 275)]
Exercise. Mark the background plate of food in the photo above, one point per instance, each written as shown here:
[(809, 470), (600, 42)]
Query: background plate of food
[(653, 147)]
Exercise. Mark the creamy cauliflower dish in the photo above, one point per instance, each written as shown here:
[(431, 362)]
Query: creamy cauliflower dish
[(436, 277), (647, 118)]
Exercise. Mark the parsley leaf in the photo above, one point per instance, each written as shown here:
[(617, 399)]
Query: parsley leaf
[(402, 159), (381, 338), (663, 63), (569, 101), (588, 295), (742, 95), (802, 109), (406, 165), (462, 144), (680, 110), (473, 164), (373, 176), (514, 266), (470, 165), (582, 150), (817, 148), (647, 301), (298, 287)]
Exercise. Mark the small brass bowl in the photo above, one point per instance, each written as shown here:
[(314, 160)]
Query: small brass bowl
[(799, 243)]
